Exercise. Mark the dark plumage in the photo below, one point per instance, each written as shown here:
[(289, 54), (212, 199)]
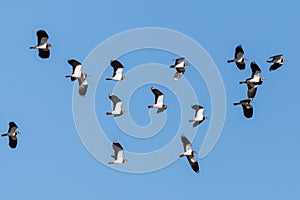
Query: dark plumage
[(255, 77), (247, 107), (42, 45), (238, 58), (277, 60), (12, 135), (118, 70)]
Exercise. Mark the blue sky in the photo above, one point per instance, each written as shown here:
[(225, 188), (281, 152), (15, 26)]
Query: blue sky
[(254, 159)]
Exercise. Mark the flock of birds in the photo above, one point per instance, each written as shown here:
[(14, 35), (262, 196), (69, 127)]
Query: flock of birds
[(255, 80), (44, 52)]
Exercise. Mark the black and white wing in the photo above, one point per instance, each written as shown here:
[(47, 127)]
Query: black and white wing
[(248, 110), (76, 68), (186, 143), (159, 96), (179, 73), (12, 127), (239, 52), (117, 102), (252, 89), (255, 70), (194, 163), (272, 58), (42, 37), (118, 150), (179, 60), (44, 53), (117, 66)]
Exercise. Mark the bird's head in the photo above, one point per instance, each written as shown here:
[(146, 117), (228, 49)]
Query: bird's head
[(205, 117), (165, 106), (17, 133), (245, 59), (123, 111), (49, 45), (194, 152), (125, 160), (123, 77), (186, 64)]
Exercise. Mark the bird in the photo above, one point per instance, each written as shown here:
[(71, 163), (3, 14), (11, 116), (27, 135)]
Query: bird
[(238, 58), (76, 73), (159, 101), (277, 60), (255, 78), (118, 70), (247, 107), (118, 153), (180, 68), (117, 103), (189, 153), (42, 44), (199, 117), (83, 84), (12, 135)]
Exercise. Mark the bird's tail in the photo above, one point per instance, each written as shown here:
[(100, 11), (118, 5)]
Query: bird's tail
[(181, 155), (109, 79), (33, 47), (241, 82), (150, 106), (172, 66), (191, 120), (110, 163), (4, 135), (235, 104), (229, 61), (108, 113)]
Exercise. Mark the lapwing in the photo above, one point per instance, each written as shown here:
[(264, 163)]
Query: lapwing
[(12, 135), (43, 45), (189, 153), (180, 68), (255, 78), (117, 103), (118, 153), (247, 107), (277, 60), (238, 58), (199, 117), (118, 70), (76, 73), (252, 89), (159, 101)]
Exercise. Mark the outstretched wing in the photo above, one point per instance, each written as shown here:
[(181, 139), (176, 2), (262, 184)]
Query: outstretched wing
[(255, 69), (276, 57), (194, 163), (44, 53), (251, 90), (275, 66), (158, 95), (198, 109), (179, 60), (117, 102), (186, 143), (42, 37), (239, 52), (83, 85), (12, 127), (118, 67), (118, 149), (13, 141), (248, 110)]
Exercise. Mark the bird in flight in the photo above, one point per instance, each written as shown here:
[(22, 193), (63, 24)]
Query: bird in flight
[(189, 153), (42, 44), (199, 117), (255, 77), (118, 153), (247, 107), (238, 58), (12, 135), (77, 74), (277, 61), (118, 70), (117, 104), (159, 101), (180, 68)]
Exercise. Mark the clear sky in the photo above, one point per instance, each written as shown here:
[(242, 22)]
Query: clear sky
[(254, 158)]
